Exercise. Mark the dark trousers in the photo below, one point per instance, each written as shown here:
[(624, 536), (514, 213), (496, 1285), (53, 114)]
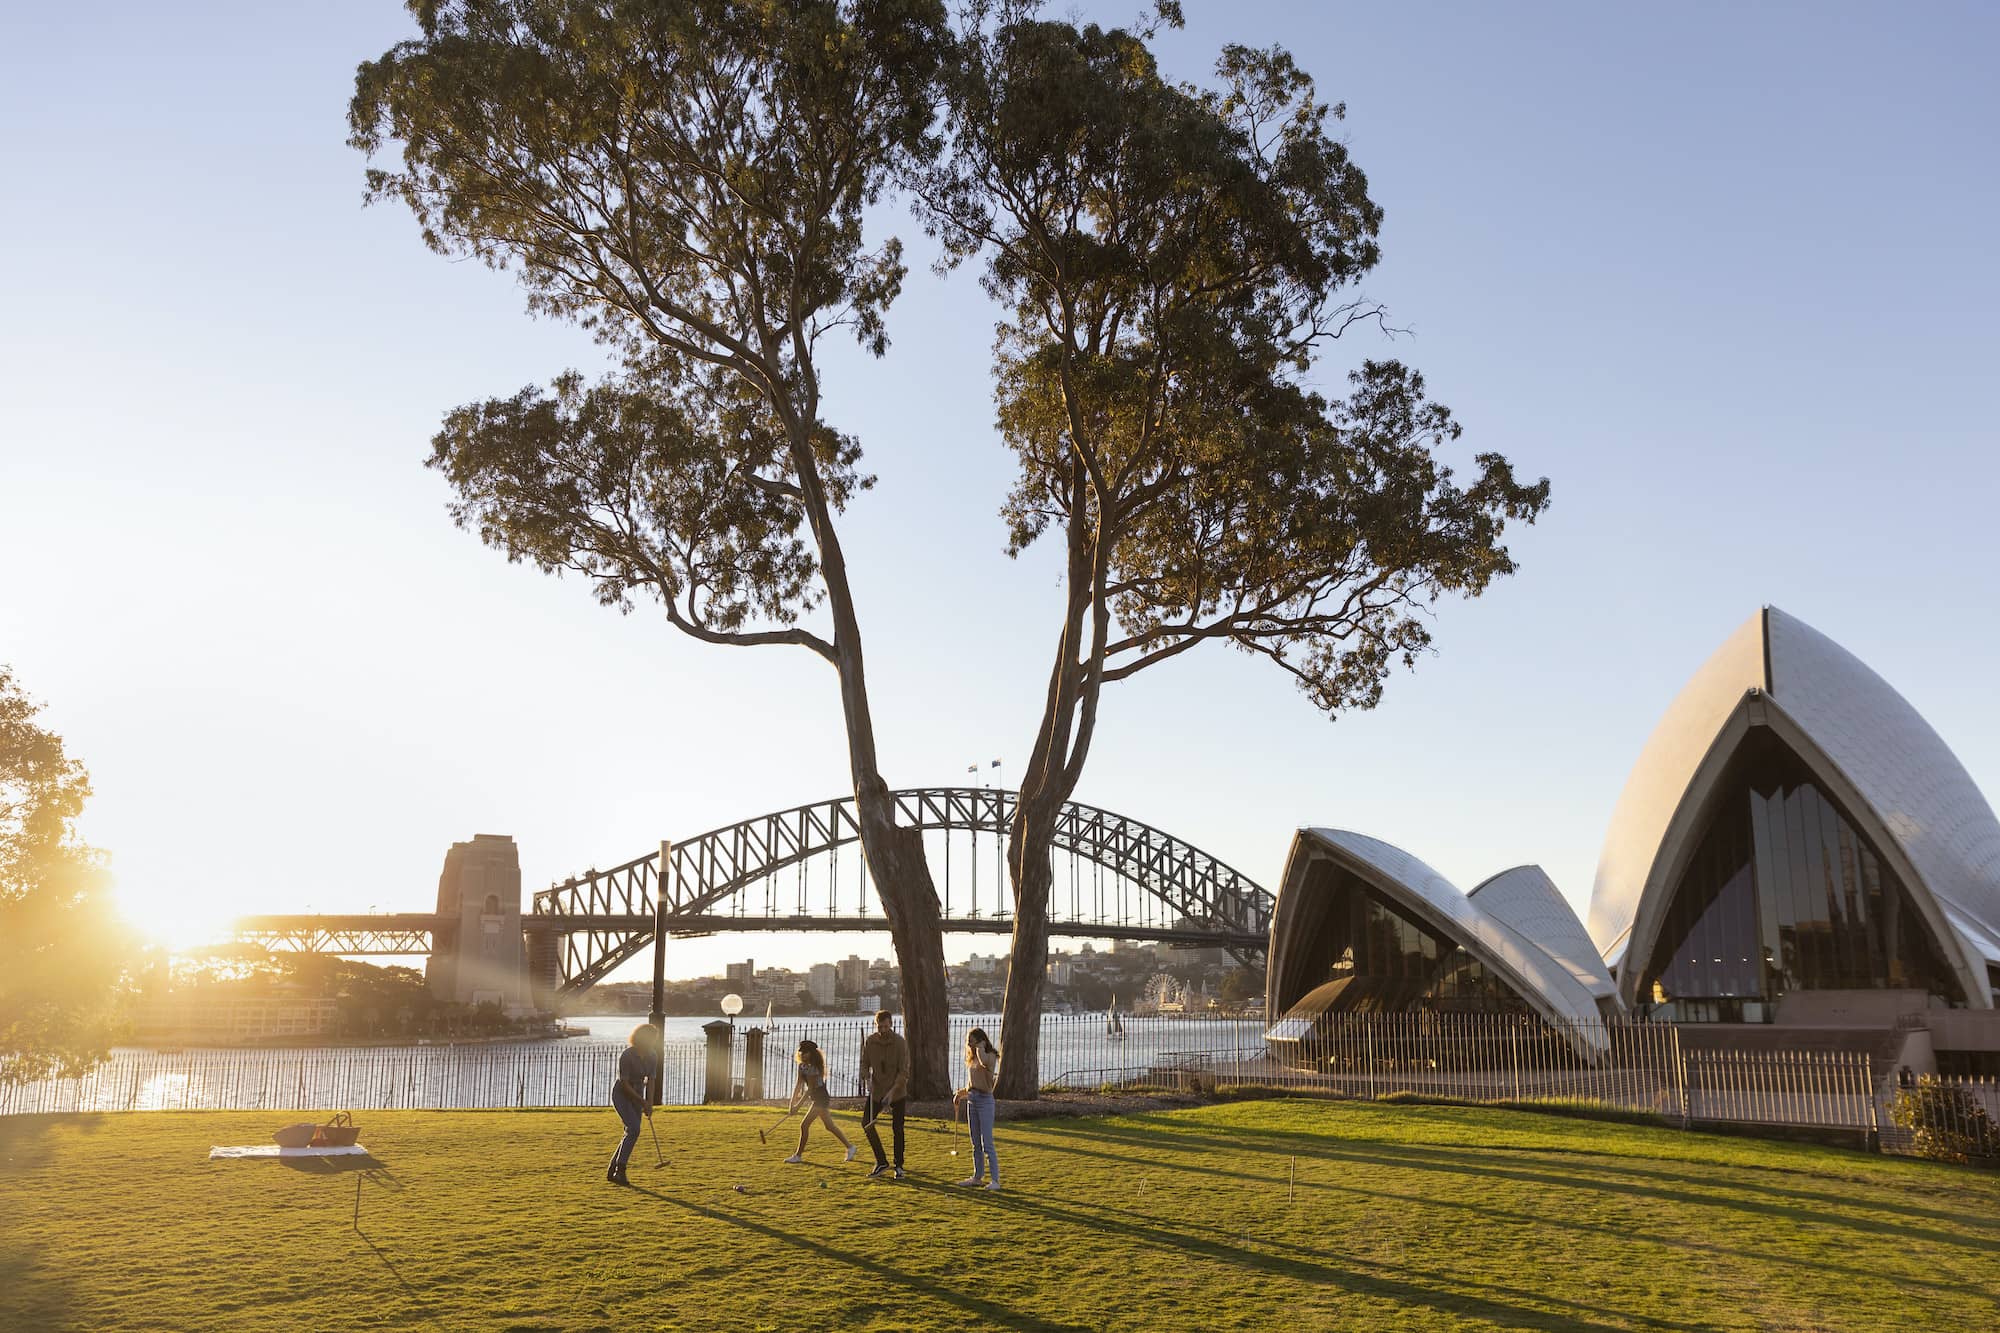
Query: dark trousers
[(631, 1113), (871, 1114)]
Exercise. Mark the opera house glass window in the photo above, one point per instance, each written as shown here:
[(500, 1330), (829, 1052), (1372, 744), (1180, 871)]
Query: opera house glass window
[(1783, 894), (1359, 953)]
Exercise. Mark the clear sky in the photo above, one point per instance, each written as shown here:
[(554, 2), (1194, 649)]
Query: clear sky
[(1724, 273)]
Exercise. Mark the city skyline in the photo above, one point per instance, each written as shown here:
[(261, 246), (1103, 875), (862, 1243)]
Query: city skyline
[(295, 685)]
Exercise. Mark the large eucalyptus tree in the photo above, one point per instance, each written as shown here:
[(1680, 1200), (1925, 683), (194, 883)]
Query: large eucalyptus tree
[(687, 178), (1173, 264)]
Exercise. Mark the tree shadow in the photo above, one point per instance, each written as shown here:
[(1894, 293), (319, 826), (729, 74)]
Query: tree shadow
[(1515, 1217), (1428, 1294), (1321, 1252), (32, 1294), (990, 1311), (1672, 1186), (22, 1133)]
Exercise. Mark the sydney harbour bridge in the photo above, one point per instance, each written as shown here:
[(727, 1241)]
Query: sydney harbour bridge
[(802, 870)]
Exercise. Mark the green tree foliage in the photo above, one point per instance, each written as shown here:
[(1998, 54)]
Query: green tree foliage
[(372, 1001), (1242, 983), (688, 179), (65, 953), (1946, 1122), (1173, 263)]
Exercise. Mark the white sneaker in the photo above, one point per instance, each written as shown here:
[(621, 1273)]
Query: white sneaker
[(973, 1180), (993, 1184), (850, 1152), (794, 1159)]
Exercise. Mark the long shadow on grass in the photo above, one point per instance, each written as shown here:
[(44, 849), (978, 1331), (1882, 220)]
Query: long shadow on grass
[(1812, 1208), (1435, 1297), (397, 1273), (1287, 1139), (1625, 1235), (1318, 1255), (1299, 1141), (31, 1295), (985, 1309), (20, 1133)]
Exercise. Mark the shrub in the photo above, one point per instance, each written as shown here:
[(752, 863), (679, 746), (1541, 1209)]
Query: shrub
[(1946, 1122)]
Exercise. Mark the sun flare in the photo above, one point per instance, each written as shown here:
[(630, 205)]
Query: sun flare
[(174, 922)]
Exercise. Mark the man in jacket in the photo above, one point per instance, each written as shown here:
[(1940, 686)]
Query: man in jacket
[(885, 1083)]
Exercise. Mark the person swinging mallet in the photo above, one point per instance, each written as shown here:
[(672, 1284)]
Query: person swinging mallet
[(810, 1088), (637, 1064), (885, 1085)]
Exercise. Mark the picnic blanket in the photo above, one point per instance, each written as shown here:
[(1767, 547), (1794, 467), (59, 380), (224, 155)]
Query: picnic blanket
[(273, 1150)]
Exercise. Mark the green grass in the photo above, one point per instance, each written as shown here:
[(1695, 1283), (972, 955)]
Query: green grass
[(1405, 1217)]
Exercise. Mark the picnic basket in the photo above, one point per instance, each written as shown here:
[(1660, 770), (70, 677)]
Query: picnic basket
[(339, 1132)]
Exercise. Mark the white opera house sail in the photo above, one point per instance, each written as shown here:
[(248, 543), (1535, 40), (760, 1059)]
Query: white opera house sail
[(1796, 844), (1363, 927)]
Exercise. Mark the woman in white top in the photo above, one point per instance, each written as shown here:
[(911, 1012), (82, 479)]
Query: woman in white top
[(982, 1064)]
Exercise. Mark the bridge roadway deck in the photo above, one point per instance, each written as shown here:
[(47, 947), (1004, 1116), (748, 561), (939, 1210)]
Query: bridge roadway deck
[(406, 933)]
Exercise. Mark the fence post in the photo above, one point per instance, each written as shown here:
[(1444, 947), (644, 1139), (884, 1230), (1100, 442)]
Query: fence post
[(1874, 1112), (1681, 1073)]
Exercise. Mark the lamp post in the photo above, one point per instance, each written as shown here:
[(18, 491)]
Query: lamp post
[(658, 1016)]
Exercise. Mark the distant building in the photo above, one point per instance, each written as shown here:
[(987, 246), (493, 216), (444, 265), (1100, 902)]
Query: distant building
[(823, 982), (1060, 973), (741, 974), (851, 975), (227, 1021)]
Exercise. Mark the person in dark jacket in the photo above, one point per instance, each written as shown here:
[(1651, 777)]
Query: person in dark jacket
[(885, 1085), (638, 1063)]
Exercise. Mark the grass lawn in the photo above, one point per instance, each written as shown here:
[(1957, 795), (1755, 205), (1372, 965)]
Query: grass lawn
[(1404, 1217)]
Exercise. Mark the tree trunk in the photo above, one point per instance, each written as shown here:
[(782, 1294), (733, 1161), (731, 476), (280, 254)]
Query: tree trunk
[(1033, 874), (1027, 969), (903, 881), (895, 855)]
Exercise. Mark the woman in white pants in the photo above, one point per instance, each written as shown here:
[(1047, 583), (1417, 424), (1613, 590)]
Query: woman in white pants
[(982, 1062)]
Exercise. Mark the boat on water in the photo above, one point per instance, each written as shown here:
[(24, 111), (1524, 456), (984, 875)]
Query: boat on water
[(1114, 1027)]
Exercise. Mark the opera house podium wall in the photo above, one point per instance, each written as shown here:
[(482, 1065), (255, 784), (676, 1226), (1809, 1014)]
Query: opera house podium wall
[(1796, 857)]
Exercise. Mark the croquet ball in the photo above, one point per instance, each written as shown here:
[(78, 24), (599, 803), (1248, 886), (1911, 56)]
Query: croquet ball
[(822, 1184), (741, 1190)]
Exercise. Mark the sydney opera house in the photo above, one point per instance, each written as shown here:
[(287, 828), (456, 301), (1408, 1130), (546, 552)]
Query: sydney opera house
[(1795, 849)]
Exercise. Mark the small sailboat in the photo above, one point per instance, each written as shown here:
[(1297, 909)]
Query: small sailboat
[(1114, 1028)]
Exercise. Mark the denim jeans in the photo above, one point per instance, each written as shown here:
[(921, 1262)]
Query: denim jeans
[(631, 1113), (979, 1122)]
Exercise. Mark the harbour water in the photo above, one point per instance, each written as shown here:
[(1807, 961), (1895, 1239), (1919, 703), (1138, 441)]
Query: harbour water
[(1077, 1051)]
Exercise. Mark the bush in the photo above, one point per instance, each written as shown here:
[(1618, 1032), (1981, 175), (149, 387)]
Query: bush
[(1945, 1122)]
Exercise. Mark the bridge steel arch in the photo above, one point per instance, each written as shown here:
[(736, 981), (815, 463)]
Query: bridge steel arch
[(584, 928)]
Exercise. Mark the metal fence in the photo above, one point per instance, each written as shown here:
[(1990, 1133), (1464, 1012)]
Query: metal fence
[(356, 1079), (1625, 1066), (1073, 1047), (1492, 1059), (1495, 1059)]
